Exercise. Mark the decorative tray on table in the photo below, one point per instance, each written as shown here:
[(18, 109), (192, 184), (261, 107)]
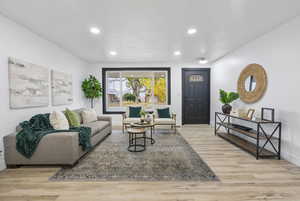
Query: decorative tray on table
[(245, 128)]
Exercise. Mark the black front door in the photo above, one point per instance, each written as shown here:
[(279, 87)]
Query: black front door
[(195, 96)]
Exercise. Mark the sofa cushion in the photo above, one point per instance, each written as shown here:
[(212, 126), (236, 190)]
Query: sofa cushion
[(89, 115), (134, 112), (164, 113), (59, 121), (72, 118), (96, 126), (78, 113), (161, 107), (164, 121)]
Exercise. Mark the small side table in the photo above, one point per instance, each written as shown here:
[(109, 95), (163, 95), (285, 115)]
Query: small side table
[(134, 135), (145, 126)]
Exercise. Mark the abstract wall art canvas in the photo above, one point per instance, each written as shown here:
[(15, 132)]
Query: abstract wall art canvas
[(62, 88), (28, 84)]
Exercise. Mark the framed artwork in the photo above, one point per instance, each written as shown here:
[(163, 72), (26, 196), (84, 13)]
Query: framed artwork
[(28, 84), (250, 114), (62, 88), (267, 114)]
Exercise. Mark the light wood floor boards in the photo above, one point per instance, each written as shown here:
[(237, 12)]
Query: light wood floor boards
[(243, 178)]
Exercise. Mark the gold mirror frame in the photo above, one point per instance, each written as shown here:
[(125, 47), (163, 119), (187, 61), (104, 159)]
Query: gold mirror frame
[(259, 73)]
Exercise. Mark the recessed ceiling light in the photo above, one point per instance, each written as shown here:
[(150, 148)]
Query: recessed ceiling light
[(202, 60), (95, 30), (177, 53), (113, 53), (192, 31)]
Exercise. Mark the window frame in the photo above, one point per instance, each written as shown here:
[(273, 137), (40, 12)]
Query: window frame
[(104, 70)]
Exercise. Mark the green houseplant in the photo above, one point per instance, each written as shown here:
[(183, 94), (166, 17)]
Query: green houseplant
[(91, 88), (226, 98), (143, 115)]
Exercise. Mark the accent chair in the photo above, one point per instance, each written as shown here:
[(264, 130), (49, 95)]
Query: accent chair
[(164, 116), (128, 119)]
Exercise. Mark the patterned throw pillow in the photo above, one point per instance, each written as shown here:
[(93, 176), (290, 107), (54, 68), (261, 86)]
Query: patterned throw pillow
[(72, 118), (134, 112), (59, 121), (88, 115), (164, 113)]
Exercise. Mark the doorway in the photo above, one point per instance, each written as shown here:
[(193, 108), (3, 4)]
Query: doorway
[(195, 96)]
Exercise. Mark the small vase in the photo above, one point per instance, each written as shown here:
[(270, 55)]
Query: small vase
[(226, 109), (148, 118)]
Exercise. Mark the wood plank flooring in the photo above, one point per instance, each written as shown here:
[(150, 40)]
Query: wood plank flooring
[(243, 178)]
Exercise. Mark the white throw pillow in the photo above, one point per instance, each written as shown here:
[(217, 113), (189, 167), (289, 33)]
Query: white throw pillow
[(88, 115), (59, 121)]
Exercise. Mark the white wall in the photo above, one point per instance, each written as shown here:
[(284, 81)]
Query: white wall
[(96, 69), (278, 51), (16, 41)]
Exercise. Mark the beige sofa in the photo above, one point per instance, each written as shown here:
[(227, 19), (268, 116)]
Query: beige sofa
[(57, 148)]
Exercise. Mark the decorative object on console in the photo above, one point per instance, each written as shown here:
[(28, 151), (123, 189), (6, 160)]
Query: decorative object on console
[(62, 88), (28, 84), (92, 89), (267, 112), (248, 115), (245, 128), (242, 112), (226, 98), (234, 112), (252, 83)]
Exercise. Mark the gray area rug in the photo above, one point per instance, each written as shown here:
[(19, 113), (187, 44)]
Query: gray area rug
[(171, 158)]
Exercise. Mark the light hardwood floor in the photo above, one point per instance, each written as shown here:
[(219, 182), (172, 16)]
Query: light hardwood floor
[(243, 178)]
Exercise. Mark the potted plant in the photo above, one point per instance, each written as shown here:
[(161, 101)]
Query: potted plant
[(92, 89), (143, 114), (226, 98)]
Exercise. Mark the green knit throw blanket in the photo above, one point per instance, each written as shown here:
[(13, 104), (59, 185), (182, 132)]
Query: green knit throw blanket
[(37, 127)]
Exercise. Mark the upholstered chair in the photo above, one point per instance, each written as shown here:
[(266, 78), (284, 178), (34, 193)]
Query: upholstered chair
[(127, 119), (163, 118)]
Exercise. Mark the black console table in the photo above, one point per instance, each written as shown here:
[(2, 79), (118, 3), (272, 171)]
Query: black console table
[(260, 135)]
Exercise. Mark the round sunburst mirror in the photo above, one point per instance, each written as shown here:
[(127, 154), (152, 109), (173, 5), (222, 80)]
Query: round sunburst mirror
[(252, 83)]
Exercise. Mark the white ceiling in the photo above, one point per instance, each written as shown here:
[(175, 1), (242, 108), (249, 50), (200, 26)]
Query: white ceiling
[(150, 30)]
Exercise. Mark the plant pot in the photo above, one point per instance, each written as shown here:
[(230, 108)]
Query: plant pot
[(226, 108), (142, 119)]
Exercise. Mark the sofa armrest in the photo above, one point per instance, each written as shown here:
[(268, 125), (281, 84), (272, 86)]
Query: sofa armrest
[(56, 148), (104, 118)]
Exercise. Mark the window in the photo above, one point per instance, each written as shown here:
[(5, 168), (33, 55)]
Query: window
[(134, 86)]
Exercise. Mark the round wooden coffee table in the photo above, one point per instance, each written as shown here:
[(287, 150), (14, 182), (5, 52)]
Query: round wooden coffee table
[(136, 134), (145, 126)]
